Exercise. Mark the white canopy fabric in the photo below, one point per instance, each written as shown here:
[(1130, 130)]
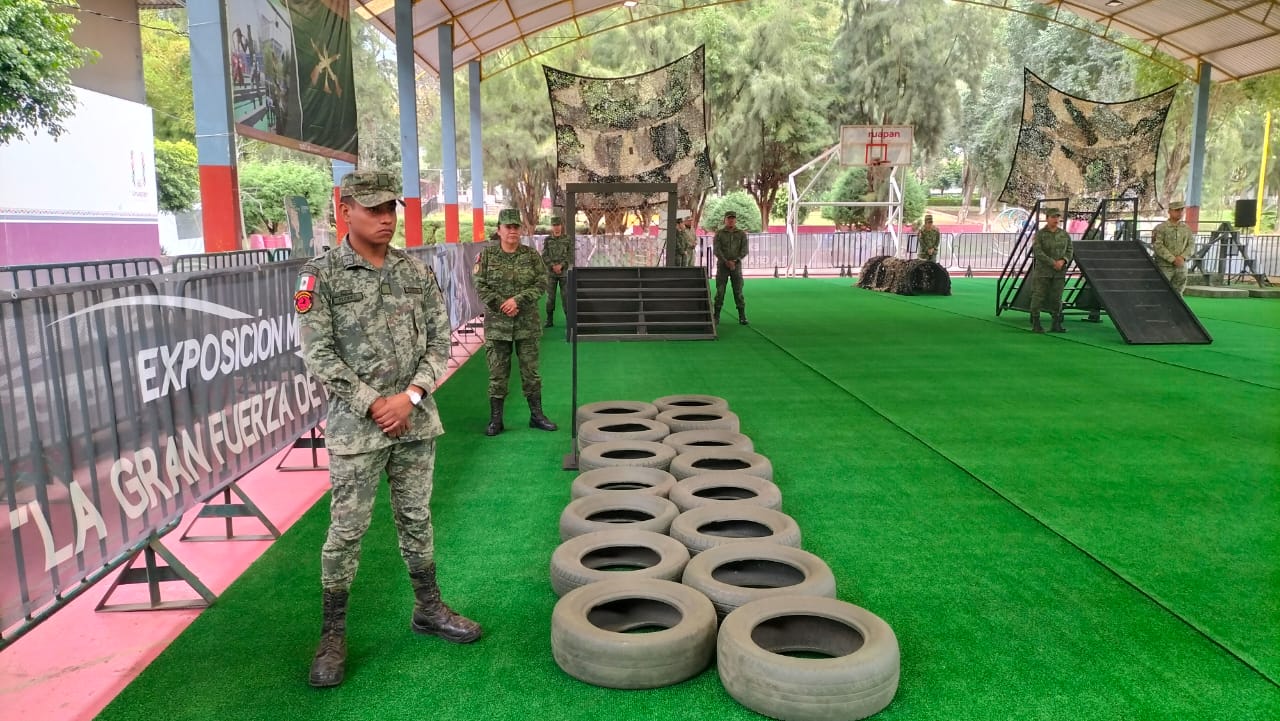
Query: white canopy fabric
[(1240, 38)]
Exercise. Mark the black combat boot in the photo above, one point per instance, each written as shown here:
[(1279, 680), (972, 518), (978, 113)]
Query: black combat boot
[(715, 318), (536, 418), (495, 417), (1057, 324), (551, 320), (1035, 323), (432, 617), (327, 668), (742, 316)]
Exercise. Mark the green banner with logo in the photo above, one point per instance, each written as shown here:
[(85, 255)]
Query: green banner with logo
[(291, 79)]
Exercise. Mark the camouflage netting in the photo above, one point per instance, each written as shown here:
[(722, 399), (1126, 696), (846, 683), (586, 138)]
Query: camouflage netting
[(905, 277), (1069, 147), (646, 128)]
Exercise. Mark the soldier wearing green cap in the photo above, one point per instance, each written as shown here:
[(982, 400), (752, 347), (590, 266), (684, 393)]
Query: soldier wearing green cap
[(510, 277), (677, 243), (375, 333), (1171, 243), (557, 254), (930, 239), (1052, 251), (730, 246)]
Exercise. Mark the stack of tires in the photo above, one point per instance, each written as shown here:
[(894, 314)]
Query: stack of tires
[(675, 547)]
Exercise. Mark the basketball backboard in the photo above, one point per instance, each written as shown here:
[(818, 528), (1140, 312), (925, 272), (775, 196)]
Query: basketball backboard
[(876, 144)]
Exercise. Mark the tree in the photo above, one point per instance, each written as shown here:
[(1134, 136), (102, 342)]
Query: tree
[(739, 202), (177, 175), (768, 89), (264, 186), (851, 187), (36, 60), (518, 141), (166, 71)]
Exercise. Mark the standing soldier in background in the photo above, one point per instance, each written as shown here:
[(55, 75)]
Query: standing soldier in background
[(690, 239), (930, 239), (1052, 252), (730, 246), (375, 333), (1171, 243), (509, 278), (557, 255), (677, 242)]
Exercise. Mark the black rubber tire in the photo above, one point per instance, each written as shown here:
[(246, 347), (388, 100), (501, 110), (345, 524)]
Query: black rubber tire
[(854, 683), (611, 454), (697, 419), (726, 523), (623, 479), (690, 401), (725, 486), (606, 511), (644, 554), (696, 463), (605, 655), (600, 430), (615, 410), (736, 574), (686, 441)]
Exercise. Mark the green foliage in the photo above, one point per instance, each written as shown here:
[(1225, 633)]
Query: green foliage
[(914, 195), (946, 173), (166, 70), (739, 202), (850, 188), (944, 201), (36, 60), (433, 230), (177, 175), (264, 186), (779, 209)]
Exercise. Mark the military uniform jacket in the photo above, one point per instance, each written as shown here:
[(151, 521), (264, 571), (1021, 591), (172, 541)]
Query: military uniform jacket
[(690, 242), (1169, 240), (730, 244), (557, 249), (1048, 246), (368, 333), (930, 239), (499, 275)]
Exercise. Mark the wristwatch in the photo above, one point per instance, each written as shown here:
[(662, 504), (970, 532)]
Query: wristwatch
[(414, 397)]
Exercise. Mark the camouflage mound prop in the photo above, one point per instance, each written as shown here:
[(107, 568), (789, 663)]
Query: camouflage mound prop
[(1085, 150), (904, 277), (646, 128)]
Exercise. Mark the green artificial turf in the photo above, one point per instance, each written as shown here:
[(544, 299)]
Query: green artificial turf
[(970, 483)]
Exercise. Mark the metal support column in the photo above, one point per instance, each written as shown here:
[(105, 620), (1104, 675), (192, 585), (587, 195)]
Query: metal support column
[(1199, 129), (448, 134), (477, 154), (215, 135), (407, 89)]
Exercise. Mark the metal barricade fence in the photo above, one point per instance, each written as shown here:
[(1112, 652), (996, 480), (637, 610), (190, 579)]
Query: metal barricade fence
[(45, 274), (230, 259)]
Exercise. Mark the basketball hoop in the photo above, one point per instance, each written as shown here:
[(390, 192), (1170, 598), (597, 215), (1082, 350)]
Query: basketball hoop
[(875, 145)]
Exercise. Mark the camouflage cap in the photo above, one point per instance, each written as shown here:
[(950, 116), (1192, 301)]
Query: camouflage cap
[(370, 188), (557, 220), (1178, 205), (1053, 213), (731, 214), (508, 216)]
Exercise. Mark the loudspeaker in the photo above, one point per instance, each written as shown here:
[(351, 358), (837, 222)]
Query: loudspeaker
[(1246, 213)]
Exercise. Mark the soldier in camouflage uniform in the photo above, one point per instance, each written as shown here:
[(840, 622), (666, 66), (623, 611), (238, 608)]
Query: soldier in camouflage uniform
[(557, 254), (509, 278), (730, 246), (930, 239), (676, 242), (690, 240), (375, 333), (1052, 251), (1171, 244)]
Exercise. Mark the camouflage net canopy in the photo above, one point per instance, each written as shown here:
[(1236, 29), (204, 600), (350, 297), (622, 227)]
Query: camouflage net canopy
[(646, 128), (1069, 147)]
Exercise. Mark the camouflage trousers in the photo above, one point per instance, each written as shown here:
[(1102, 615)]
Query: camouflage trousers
[(724, 277), (554, 282), (1177, 276), (924, 254), (1046, 288), (409, 467), (498, 354)]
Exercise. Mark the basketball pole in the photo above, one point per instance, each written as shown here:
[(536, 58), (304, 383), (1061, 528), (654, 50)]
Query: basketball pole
[(1262, 175)]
